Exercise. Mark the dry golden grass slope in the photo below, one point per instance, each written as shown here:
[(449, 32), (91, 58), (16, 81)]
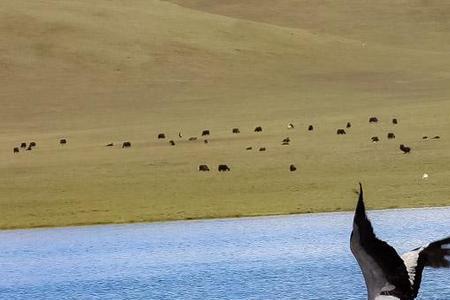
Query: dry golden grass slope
[(109, 71)]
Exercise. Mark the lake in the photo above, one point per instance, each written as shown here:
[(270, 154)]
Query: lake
[(285, 257)]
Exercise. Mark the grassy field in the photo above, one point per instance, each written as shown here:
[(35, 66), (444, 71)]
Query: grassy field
[(111, 71)]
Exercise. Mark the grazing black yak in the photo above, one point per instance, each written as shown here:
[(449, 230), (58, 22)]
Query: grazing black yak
[(340, 131), (126, 145), (161, 136), (62, 141), (405, 149), (236, 130), (205, 132), (375, 139), (394, 121), (23, 145), (391, 135), (262, 149), (172, 143), (292, 168), (223, 168), (373, 120), (348, 125), (258, 129), (310, 128), (203, 168), (16, 150)]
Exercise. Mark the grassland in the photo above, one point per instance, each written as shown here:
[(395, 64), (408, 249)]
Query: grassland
[(112, 71)]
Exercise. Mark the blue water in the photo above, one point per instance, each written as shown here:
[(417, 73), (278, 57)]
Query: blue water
[(287, 257)]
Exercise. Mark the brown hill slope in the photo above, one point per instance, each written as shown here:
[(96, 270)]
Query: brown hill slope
[(415, 24), (115, 71)]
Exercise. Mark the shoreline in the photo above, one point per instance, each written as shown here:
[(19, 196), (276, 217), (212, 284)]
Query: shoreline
[(206, 218)]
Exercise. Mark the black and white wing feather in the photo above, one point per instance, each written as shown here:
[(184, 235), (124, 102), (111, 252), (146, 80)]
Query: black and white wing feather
[(435, 255), (383, 269)]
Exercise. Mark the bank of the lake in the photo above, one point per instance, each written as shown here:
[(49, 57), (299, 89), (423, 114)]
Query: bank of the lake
[(169, 218)]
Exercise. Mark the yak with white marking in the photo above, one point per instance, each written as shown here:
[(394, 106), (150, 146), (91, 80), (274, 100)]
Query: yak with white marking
[(405, 149), (223, 168)]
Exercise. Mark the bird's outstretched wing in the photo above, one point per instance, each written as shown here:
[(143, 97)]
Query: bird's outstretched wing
[(435, 254), (383, 269)]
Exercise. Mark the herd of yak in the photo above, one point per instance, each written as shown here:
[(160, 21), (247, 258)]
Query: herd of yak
[(223, 167)]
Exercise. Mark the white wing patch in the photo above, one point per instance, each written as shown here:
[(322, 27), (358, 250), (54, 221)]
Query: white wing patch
[(388, 287), (410, 260), (386, 298)]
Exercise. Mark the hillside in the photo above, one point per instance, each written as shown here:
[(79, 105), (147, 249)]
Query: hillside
[(111, 71), (413, 24)]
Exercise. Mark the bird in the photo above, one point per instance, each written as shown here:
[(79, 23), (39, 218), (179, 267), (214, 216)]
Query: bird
[(387, 274)]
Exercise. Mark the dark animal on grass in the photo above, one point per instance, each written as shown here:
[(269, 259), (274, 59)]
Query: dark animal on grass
[(205, 141), (436, 137), (172, 143), (292, 168), (405, 149), (205, 132), (223, 168), (203, 168), (109, 145), (16, 150), (375, 139), (192, 138), (373, 120), (290, 126), (262, 149), (161, 136), (62, 141), (424, 137), (258, 129), (32, 144), (394, 121), (340, 131), (391, 135), (126, 145), (310, 128), (29, 148), (23, 145), (286, 140), (236, 130), (180, 135), (348, 125), (249, 148)]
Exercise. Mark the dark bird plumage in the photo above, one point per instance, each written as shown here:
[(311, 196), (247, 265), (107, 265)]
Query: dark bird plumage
[(385, 272)]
